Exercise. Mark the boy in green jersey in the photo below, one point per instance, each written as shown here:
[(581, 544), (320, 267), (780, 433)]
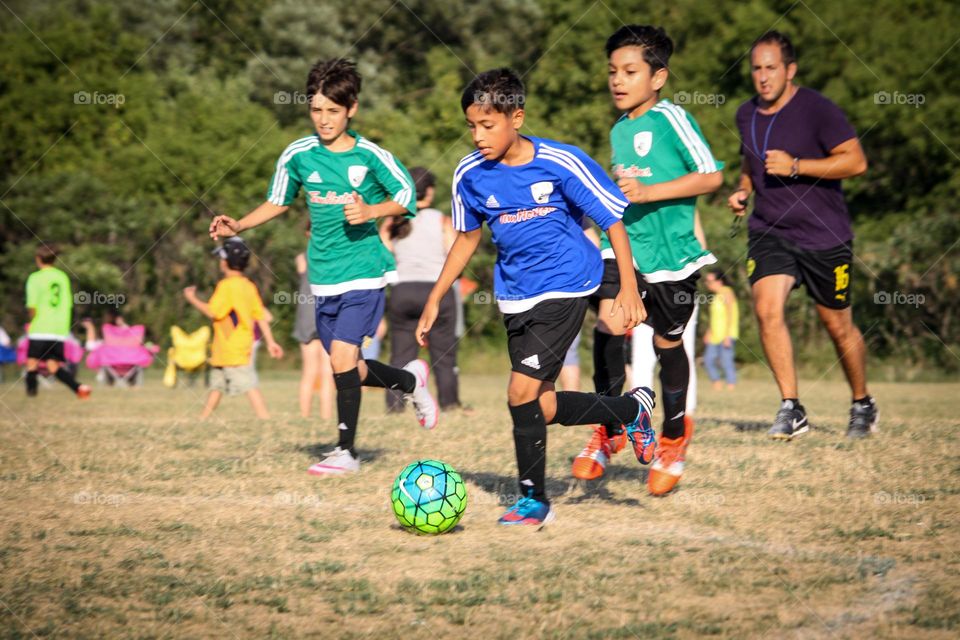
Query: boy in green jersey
[(662, 163), (50, 305), (349, 182)]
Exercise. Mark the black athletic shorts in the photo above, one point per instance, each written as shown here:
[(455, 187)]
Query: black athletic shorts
[(825, 273), (46, 350), (669, 305), (538, 339)]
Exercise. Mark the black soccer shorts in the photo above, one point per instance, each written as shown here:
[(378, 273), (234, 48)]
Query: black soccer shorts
[(825, 273)]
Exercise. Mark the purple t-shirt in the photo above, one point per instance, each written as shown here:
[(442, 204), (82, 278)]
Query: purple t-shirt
[(809, 212)]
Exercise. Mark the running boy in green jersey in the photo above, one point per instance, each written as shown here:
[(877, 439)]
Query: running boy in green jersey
[(662, 163), (50, 305), (348, 182)]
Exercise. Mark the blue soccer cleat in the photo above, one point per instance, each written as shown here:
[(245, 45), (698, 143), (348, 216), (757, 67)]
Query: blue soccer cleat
[(640, 431), (528, 511)]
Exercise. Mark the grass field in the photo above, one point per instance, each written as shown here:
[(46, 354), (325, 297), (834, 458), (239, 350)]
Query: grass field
[(126, 517)]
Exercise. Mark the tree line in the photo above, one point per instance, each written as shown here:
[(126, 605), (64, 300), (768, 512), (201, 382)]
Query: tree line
[(127, 123)]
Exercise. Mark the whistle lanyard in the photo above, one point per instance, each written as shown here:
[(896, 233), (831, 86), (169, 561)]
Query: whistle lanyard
[(766, 138)]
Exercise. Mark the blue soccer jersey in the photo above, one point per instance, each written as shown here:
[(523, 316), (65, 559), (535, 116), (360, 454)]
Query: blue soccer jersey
[(535, 212)]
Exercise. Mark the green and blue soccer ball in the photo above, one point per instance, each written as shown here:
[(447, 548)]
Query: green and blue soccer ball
[(428, 497)]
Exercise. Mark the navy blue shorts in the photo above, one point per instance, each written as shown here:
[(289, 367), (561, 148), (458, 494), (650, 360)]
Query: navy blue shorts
[(349, 317)]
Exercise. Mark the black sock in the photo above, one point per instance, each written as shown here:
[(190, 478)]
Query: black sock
[(64, 376), (609, 369), (530, 441), (387, 377), (867, 399), (674, 379), (348, 407), (31, 383), (574, 407)]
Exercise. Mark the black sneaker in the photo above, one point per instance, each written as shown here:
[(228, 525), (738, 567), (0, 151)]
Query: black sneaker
[(863, 419), (791, 421)]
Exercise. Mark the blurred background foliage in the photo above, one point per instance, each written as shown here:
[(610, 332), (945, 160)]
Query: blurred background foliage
[(191, 102)]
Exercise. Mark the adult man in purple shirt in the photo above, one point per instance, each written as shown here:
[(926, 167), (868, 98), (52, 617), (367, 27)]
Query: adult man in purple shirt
[(796, 147)]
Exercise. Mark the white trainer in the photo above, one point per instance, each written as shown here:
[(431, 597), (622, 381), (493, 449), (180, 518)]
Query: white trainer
[(428, 414), (336, 463)]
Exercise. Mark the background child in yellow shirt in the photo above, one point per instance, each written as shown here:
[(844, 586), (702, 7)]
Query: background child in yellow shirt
[(234, 307)]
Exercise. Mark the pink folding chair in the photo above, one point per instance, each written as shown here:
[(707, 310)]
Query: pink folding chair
[(122, 355)]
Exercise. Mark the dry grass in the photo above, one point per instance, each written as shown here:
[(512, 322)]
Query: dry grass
[(126, 517)]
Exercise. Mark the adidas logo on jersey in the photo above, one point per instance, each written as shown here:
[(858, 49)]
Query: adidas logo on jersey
[(532, 361), (492, 201), (315, 177)]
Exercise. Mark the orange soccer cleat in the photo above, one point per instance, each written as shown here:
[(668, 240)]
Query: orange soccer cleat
[(591, 462), (619, 441), (667, 465)]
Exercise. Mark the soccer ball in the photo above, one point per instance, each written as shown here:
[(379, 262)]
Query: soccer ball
[(428, 497)]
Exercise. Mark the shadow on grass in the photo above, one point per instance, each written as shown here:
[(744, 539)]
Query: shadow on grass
[(506, 491), (757, 427), (599, 489), (748, 425), (321, 449)]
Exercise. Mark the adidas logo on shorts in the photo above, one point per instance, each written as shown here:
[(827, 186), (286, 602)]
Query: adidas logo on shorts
[(492, 201), (532, 361)]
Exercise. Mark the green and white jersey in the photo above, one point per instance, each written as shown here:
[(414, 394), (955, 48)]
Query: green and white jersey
[(342, 257), (50, 296), (663, 144)]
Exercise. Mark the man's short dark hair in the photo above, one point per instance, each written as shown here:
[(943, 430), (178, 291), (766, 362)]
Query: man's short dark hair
[(499, 90), (656, 44), (787, 52), (337, 79), (46, 254)]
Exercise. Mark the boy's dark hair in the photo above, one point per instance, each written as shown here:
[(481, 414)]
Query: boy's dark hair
[(235, 251), (499, 90), (46, 254), (423, 180), (336, 79), (656, 44), (787, 52)]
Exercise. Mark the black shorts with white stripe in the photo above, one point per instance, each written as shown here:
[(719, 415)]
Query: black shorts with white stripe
[(538, 339)]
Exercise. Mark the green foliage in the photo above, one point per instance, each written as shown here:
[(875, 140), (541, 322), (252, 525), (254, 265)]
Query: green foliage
[(188, 105)]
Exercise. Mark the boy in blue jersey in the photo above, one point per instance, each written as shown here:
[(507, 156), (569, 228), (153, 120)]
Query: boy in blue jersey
[(349, 182), (533, 194), (662, 162)]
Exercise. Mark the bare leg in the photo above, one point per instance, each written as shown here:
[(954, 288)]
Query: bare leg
[(345, 356), (570, 377), (769, 297), (308, 375), (258, 404), (327, 389), (213, 399), (850, 346), (612, 325)]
